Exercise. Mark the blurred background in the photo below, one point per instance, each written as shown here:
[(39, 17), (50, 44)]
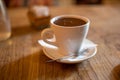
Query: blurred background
[(26, 3)]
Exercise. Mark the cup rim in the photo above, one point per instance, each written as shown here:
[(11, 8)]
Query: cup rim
[(71, 16)]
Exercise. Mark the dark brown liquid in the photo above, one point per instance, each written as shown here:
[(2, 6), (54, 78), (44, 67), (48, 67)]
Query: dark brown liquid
[(69, 22)]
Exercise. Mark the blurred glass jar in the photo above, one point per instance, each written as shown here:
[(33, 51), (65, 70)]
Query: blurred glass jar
[(5, 27), (39, 16)]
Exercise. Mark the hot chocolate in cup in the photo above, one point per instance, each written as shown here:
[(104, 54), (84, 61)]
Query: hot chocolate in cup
[(68, 33)]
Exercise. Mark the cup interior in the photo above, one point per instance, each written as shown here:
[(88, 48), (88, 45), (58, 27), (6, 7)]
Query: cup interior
[(86, 20)]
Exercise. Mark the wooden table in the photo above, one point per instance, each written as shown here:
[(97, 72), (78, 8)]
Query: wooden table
[(22, 58)]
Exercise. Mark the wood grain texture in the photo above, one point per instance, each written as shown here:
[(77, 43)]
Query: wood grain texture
[(22, 58)]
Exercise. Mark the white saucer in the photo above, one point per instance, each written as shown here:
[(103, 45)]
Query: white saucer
[(52, 52)]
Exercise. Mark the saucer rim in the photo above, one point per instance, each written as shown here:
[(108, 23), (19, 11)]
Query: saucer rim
[(71, 62)]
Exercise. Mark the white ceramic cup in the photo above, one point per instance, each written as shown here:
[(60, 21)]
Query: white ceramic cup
[(68, 39)]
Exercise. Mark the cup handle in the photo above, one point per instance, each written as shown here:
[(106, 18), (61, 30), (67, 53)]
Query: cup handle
[(46, 36)]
